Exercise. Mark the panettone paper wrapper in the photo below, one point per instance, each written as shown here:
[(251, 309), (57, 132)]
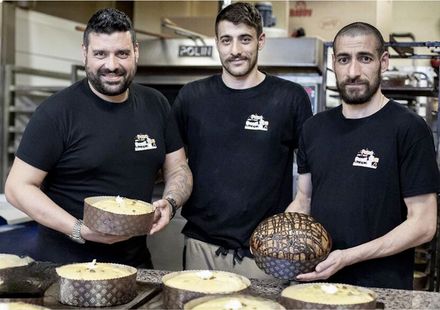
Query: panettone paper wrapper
[(23, 283), (175, 298), (285, 269), (115, 224), (98, 293), (290, 303), (195, 302)]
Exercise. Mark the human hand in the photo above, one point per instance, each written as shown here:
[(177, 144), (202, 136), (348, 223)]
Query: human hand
[(328, 267), (162, 215), (91, 235)]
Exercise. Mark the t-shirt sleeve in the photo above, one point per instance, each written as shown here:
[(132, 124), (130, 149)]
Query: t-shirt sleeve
[(42, 144), (178, 111), (173, 141), (301, 157), (302, 111), (418, 170)]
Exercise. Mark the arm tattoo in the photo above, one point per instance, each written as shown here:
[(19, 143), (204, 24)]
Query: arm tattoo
[(178, 183)]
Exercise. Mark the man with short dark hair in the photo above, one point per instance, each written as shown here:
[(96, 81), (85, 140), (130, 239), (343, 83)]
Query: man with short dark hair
[(241, 128), (102, 136), (368, 172)]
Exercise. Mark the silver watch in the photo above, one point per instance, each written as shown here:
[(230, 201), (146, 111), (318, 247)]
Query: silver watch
[(76, 232)]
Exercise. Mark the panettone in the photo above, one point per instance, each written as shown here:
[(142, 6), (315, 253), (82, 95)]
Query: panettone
[(96, 284), (289, 243), (327, 296), (117, 215), (11, 261), (232, 302), (182, 286)]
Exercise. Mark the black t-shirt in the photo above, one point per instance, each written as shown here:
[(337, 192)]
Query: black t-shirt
[(240, 150), (361, 171), (93, 147)]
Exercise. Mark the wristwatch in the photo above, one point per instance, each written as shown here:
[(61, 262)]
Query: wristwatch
[(173, 205), (76, 232)]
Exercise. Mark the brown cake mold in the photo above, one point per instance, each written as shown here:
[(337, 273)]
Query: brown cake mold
[(114, 223), (288, 244), (176, 298), (23, 279), (292, 303), (233, 301), (98, 293)]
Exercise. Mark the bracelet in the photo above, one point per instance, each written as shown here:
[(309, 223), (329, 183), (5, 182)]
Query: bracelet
[(76, 232), (173, 205)]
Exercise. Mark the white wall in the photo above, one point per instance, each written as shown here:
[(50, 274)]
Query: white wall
[(47, 43)]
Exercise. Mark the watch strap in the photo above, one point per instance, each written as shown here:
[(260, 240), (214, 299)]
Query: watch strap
[(173, 205), (76, 232)]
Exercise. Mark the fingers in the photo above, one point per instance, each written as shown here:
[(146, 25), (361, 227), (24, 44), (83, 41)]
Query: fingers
[(161, 217)]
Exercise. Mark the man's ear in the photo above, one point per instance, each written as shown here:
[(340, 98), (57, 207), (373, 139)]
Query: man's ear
[(384, 61), (84, 53), (261, 41)]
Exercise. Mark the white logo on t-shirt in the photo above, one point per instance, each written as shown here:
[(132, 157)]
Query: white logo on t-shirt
[(256, 122), (365, 158), (143, 142)]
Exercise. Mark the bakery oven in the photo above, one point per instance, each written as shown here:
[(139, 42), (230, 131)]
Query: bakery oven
[(168, 64)]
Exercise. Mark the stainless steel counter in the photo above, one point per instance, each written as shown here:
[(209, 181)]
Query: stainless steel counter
[(387, 298)]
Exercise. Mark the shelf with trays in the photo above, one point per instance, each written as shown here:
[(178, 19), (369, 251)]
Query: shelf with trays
[(19, 102)]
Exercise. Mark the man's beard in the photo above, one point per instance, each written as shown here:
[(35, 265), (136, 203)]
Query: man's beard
[(356, 96), (229, 68), (110, 88)]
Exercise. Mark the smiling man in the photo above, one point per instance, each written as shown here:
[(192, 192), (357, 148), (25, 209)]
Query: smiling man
[(95, 138), (368, 172), (241, 128)]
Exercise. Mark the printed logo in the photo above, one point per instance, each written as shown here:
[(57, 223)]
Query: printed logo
[(365, 158), (143, 142), (256, 122)]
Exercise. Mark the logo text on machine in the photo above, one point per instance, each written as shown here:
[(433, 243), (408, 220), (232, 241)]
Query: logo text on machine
[(195, 50)]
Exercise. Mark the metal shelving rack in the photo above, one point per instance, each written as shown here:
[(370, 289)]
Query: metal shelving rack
[(10, 130), (405, 50)]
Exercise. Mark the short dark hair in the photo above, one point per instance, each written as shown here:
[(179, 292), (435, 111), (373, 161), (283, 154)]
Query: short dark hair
[(240, 12), (360, 28), (108, 21)]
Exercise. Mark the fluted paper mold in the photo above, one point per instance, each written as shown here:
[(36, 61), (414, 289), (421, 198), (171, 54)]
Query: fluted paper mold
[(113, 223), (291, 303), (175, 298), (99, 293)]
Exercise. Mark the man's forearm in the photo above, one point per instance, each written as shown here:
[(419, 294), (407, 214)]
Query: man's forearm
[(178, 183)]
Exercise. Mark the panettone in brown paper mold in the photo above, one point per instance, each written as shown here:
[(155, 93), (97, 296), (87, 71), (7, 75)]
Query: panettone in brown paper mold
[(183, 286), (327, 296), (235, 301), (118, 216), (96, 284), (288, 244), (18, 305), (23, 279)]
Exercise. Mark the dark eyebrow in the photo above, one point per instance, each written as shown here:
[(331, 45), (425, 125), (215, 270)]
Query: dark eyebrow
[(366, 54), (226, 36)]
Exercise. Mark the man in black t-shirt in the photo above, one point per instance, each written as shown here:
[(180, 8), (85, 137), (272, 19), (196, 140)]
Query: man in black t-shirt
[(368, 172), (241, 128), (101, 136)]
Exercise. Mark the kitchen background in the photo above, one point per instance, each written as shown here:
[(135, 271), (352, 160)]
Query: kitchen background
[(40, 54)]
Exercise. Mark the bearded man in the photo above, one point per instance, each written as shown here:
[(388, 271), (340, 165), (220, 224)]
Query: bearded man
[(368, 172), (83, 141), (240, 128)]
